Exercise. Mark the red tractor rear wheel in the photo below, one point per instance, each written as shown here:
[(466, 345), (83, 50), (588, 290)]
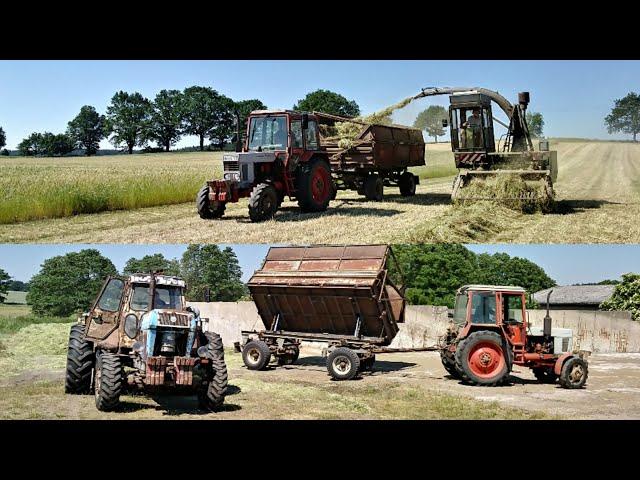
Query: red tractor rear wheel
[(315, 186), (481, 359)]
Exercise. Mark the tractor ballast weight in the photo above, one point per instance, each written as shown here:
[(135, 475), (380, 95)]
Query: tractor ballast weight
[(490, 332), (140, 334)]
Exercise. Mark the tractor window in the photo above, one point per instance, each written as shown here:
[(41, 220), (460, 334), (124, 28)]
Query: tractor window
[(483, 308), (470, 135), (512, 308), (460, 311), (110, 299), (296, 134), (166, 297), (312, 136), (268, 133)]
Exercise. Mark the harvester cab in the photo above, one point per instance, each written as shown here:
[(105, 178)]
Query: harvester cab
[(140, 332), (281, 157), (490, 332)]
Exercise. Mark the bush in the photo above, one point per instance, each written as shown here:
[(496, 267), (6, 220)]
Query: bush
[(626, 296)]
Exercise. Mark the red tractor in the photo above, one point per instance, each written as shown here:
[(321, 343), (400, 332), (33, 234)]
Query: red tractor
[(282, 156), (490, 332)]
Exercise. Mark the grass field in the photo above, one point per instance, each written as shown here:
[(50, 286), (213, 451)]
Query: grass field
[(598, 201), (16, 297), (32, 387), (14, 317)]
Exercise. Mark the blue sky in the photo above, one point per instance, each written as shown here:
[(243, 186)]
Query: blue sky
[(566, 264), (574, 96)]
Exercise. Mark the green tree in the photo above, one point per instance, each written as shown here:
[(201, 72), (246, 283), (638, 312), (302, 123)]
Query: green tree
[(535, 121), (56, 145), (625, 116), (166, 120), (18, 286), (202, 112), (434, 272), (5, 280), (327, 101), (626, 296), (430, 120), (206, 266), (127, 119), (223, 127), (152, 263), (87, 129), (33, 145), (502, 269), (3, 138), (67, 283)]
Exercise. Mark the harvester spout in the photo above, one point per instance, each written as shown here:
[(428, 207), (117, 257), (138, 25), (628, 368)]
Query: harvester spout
[(502, 102)]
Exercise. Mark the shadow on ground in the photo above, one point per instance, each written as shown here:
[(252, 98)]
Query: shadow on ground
[(568, 206)]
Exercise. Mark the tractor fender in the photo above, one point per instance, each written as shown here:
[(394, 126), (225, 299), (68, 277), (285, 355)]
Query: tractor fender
[(563, 358)]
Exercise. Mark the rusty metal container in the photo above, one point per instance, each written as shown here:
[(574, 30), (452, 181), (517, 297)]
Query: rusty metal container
[(329, 292), (380, 147)]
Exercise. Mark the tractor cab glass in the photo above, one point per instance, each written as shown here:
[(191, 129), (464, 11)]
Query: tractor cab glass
[(268, 133), (460, 309), (483, 307), (110, 299), (472, 128), (166, 296), (512, 308)]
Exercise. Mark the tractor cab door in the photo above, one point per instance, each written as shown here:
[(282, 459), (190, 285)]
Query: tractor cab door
[(482, 308), (512, 315), (104, 315)]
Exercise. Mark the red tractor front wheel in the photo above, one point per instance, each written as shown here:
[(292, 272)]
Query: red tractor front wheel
[(481, 359), (315, 186)]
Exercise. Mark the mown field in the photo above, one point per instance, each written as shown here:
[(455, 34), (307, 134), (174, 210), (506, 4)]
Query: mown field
[(598, 201), (32, 363)]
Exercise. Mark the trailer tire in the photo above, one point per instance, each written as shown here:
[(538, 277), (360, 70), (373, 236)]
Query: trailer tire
[(80, 362), (213, 389), (574, 373), (544, 375), (263, 203), (374, 188), (289, 358), (108, 381), (343, 364), (256, 355), (206, 210), (407, 184), (481, 360), (367, 363), (315, 186)]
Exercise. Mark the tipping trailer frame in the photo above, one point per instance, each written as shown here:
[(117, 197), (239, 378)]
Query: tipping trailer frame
[(341, 296)]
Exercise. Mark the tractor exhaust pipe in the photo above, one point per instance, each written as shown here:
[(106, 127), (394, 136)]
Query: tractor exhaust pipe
[(546, 329)]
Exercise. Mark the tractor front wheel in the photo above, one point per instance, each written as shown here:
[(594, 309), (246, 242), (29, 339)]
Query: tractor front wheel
[(374, 188), (213, 388), (80, 362), (315, 186), (206, 209), (108, 381), (574, 373), (263, 202), (481, 359)]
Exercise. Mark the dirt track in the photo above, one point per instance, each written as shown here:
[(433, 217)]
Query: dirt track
[(598, 194)]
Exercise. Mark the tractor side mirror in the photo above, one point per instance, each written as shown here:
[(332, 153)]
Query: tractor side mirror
[(305, 121), (445, 123)]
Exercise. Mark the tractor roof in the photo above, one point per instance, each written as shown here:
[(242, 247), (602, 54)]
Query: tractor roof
[(160, 279), (271, 112), (491, 288)]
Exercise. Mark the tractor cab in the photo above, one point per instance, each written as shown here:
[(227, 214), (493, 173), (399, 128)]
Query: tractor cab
[(489, 305), (471, 123)]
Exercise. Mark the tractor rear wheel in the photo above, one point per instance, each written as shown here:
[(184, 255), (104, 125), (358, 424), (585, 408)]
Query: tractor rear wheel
[(206, 209), (256, 355), (449, 364), (213, 388), (343, 364), (108, 381), (80, 362), (574, 373), (315, 186), (544, 374), (374, 188), (481, 359), (407, 184), (263, 202)]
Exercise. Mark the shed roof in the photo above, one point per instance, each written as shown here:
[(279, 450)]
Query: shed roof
[(575, 295)]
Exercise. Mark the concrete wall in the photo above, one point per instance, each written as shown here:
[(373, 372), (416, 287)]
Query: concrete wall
[(593, 330)]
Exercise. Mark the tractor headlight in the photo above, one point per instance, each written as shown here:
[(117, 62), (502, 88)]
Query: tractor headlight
[(131, 325)]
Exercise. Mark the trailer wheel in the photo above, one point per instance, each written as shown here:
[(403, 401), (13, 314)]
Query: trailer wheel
[(373, 188), (108, 381), (289, 358), (80, 362), (481, 360), (206, 209), (213, 388), (315, 186), (407, 184), (574, 373), (263, 203), (367, 363), (256, 355), (343, 363), (544, 375)]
